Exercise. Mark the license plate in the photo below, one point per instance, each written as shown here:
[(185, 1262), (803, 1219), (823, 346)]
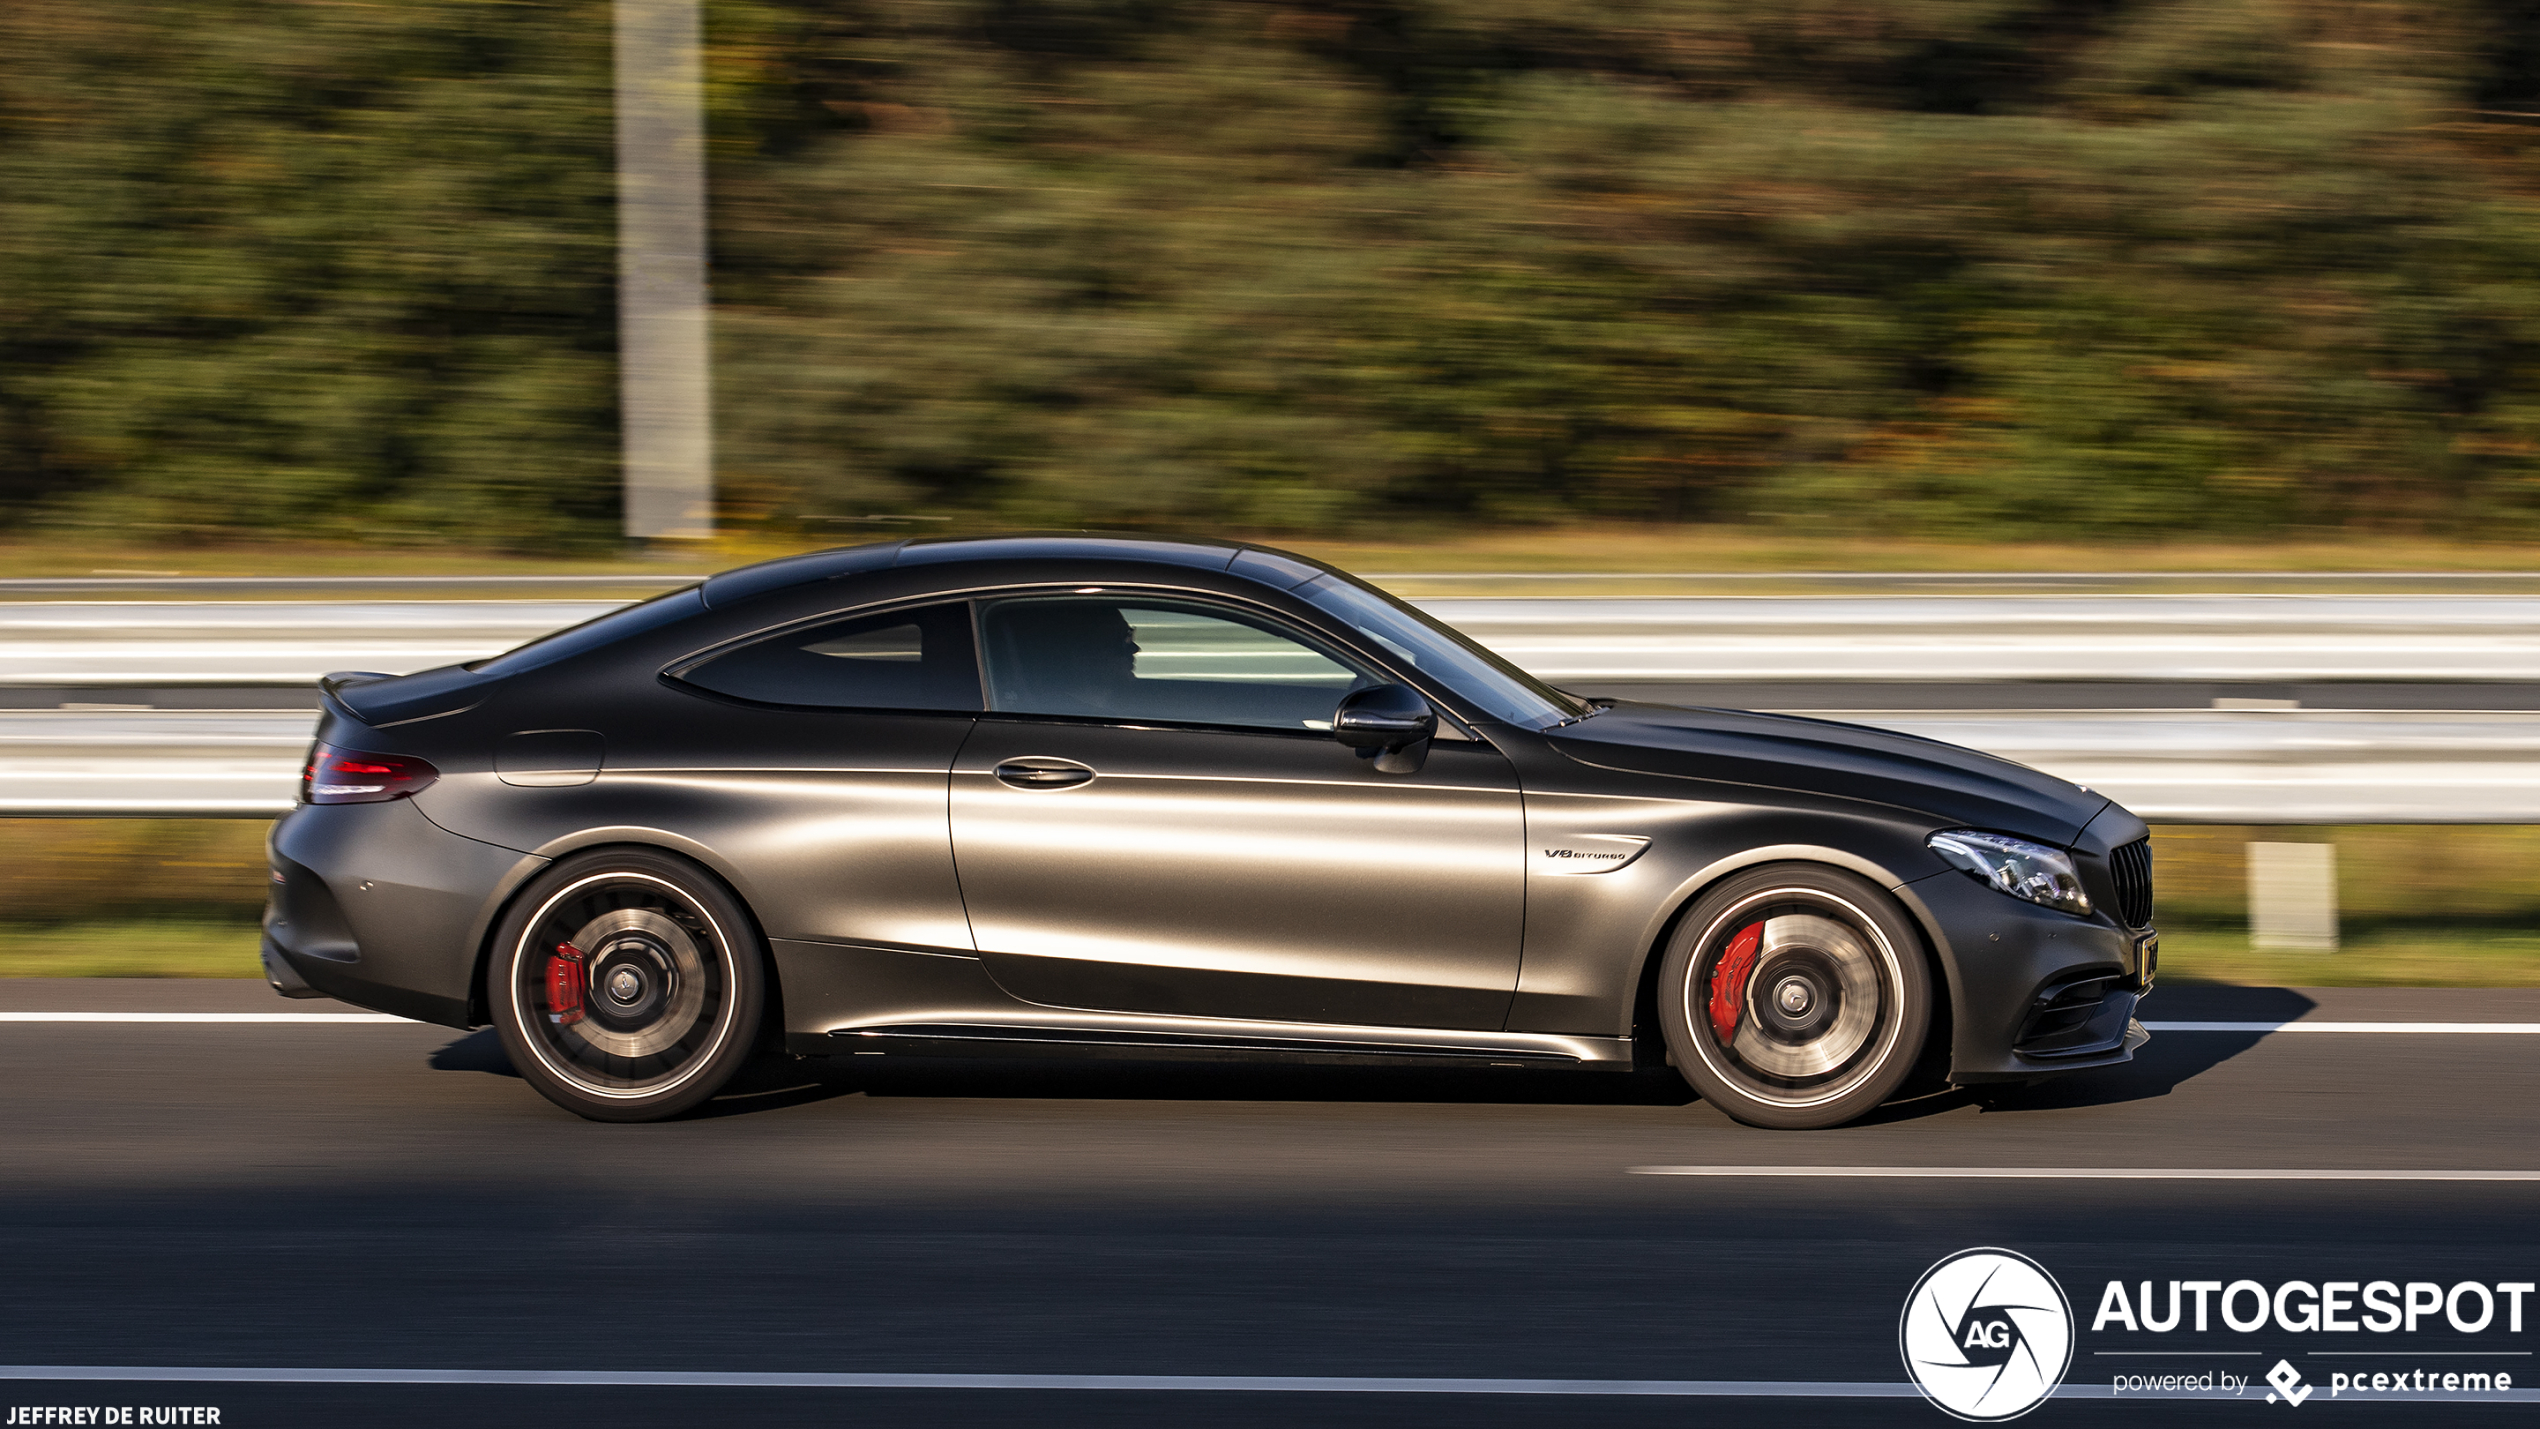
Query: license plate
[(2147, 960)]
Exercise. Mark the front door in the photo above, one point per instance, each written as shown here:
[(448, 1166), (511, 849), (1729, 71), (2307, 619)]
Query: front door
[(1150, 820)]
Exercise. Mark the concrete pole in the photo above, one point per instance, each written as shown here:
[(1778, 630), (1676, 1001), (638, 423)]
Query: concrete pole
[(2293, 897), (664, 397)]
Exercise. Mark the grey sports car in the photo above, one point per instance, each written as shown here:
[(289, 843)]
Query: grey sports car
[(1103, 796)]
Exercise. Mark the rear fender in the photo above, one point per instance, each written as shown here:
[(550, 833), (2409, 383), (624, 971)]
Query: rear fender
[(650, 840)]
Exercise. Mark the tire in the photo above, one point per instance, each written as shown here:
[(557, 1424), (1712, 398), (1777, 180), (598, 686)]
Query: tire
[(626, 985), (1795, 996)]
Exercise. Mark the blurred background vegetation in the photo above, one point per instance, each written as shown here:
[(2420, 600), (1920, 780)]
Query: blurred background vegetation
[(1957, 268)]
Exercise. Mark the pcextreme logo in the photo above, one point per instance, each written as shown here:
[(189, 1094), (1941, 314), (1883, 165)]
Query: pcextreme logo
[(1987, 1334)]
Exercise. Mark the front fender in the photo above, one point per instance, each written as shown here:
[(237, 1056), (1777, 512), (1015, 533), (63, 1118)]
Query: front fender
[(1590, 937)]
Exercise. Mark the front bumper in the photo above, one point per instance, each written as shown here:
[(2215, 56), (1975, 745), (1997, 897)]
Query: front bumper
[(2033, 992)]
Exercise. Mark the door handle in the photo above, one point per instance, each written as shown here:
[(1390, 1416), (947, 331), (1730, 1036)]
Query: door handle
[(1044, 773)]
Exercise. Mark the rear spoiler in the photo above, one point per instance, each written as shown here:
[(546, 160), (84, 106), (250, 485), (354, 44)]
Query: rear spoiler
[(425, 694), (335, 682)]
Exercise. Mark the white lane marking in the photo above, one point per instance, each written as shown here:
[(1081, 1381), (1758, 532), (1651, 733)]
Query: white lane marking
[(750, 1379), (1202, 1383), (2422, 1028), (326, 1017), (2073, 1173)]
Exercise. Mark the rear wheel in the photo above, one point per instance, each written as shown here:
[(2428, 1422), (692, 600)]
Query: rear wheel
[(1794, 996), (626, 985)]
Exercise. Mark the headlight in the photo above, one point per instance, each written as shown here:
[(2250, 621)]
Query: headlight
[(2015, 866)]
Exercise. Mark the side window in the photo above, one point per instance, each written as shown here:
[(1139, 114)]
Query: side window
[(905, 660), (1138, 658)]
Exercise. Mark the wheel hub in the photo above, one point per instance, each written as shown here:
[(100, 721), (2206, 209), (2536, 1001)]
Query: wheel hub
[(1803, 997), (646, 976), (1814, 999), (633, 970)]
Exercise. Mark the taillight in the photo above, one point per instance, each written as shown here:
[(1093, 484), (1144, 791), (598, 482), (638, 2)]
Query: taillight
[(350, 776)]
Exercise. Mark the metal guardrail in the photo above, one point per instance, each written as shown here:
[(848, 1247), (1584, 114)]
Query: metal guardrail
[(1967, 637), (107, 644), (236, 587), (2243, 767), (1710, 639), (1676, 583), (2253, 766)]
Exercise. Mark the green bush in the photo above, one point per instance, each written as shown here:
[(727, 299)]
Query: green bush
[(1958, 267), (2397, 876), (63, 871), (336, 271)]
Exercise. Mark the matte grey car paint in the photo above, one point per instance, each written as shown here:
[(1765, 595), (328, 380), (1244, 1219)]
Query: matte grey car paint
[(1208, 891), (1221, 873)]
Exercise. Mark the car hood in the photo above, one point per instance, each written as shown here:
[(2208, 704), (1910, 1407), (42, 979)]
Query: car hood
[(1951, 784)]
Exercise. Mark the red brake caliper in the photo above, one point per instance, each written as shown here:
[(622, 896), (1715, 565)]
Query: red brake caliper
[(1728, 980), (564, 985)]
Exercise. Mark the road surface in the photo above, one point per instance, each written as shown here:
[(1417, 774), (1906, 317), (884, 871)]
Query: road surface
[(265, 1195)]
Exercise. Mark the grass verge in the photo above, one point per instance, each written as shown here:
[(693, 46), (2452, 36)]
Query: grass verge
[(1582, 547), (129, 949), (2377, 957)]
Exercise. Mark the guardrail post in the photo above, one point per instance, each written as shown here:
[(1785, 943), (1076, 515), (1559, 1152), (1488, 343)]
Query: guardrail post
[(2293, 897)]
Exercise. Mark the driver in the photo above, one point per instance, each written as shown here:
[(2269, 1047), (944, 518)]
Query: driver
[(1068, 657)]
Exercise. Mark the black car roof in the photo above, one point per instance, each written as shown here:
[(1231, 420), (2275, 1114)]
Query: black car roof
[(1276, 568)]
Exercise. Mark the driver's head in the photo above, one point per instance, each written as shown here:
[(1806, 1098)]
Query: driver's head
[(1068, 652)]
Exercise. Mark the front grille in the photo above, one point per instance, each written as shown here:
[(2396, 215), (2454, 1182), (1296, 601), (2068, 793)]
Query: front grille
[(2132, 866)]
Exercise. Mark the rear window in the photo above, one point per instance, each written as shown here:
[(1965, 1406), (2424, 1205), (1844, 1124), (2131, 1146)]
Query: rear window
[(916, 659)]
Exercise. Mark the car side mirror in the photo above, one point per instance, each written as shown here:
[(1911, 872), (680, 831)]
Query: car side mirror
[(1390, 724)]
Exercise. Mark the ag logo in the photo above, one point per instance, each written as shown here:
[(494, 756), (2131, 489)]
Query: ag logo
[(1987, 1334)]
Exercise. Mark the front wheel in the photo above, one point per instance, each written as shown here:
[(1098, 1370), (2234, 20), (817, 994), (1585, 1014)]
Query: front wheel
[(1794, 996), (626, 985)]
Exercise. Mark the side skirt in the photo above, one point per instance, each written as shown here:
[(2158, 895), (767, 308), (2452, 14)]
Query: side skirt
[(851, 1000), (1208, 1039)]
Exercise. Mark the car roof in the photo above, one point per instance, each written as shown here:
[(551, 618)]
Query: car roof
[(1280, 569)]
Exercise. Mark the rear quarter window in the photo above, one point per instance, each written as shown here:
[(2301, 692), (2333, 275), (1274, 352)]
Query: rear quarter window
[(917, 659)]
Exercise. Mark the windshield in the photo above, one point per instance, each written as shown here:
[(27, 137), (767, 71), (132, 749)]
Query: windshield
[(1499, 688)]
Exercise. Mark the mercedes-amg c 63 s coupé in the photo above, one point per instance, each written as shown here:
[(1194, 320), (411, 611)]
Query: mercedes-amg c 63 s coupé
[(1103, 796)]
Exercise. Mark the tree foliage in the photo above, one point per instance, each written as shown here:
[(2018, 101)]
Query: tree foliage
[(333, 270), (1979, 267)]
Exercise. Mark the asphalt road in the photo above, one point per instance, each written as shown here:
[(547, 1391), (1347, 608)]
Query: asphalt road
[(389, 1195)]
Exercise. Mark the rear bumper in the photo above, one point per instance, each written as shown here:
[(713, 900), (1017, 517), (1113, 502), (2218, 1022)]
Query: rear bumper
[(380, 907), (280, 975)]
